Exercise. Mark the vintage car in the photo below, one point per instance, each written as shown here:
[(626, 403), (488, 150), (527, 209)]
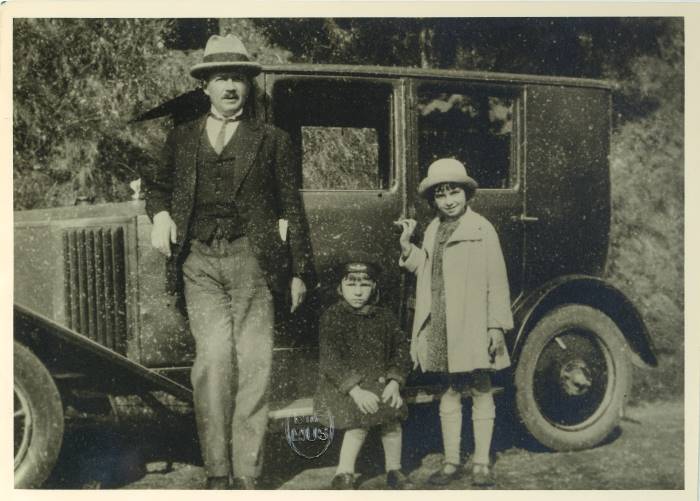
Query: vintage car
[(92, 316)]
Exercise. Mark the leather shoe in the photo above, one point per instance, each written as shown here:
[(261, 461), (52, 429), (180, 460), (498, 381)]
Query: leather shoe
[(444, 477), (217, 483), (395, 479), (343, 481), (245, 483), (482, 475)]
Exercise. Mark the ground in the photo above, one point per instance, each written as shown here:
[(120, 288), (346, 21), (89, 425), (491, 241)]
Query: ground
[(646, 452)]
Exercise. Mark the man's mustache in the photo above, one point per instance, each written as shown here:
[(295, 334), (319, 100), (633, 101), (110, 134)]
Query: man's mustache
[(230, 95)]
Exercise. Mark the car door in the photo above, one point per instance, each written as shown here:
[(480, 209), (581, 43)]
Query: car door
[(352, 160), (480, 125)]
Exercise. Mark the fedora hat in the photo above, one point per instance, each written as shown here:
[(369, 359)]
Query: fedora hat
[(446, 170), (225, 52)]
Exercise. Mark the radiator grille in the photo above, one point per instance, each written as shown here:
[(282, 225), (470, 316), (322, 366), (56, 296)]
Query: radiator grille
[(95, 284)]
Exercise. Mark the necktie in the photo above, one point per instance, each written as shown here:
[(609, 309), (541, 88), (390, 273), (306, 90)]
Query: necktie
[(221, 136)]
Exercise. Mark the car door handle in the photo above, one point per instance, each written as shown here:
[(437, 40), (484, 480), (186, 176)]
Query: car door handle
[(524, 218)]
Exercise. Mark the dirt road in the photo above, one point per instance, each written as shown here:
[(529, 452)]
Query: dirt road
[(645, 453)]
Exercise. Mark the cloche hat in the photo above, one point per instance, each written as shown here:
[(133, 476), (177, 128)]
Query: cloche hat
[(225, 52), (446, 170)]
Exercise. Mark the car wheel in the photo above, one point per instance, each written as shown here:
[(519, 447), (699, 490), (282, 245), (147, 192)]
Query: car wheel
[(572, 378), (38, 421)]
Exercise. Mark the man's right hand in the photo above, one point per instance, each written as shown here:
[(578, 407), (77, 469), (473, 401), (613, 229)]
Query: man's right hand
[(164, 232)]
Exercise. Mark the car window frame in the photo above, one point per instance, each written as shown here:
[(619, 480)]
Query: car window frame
[(517, 143), (394, 85)]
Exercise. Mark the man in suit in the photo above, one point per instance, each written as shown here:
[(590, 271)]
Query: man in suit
[(227, 212)]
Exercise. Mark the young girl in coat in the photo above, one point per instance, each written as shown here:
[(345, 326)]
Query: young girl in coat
[(462, 311), (363, 364)]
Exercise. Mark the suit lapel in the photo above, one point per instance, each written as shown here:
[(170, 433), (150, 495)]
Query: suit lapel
[(188, 150), (242, 149)]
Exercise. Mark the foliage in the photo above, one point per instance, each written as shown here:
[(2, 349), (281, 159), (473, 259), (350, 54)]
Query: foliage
[(646, 253), (340, 158), (77, 82)]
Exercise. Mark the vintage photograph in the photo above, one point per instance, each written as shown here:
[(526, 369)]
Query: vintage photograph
[(349, 253)]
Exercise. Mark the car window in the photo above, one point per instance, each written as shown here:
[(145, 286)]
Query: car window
[(474, 126), (341, 128)]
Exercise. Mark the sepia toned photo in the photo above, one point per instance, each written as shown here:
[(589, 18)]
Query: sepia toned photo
[(349, 253)]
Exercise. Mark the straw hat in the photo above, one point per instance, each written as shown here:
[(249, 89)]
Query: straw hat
[(225, 52), (446, 170)]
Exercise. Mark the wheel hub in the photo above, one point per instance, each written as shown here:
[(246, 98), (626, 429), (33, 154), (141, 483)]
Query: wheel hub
[(575, 378)]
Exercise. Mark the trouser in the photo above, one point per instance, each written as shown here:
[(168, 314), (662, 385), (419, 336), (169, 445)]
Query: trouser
[(231, 317), (355, 438)]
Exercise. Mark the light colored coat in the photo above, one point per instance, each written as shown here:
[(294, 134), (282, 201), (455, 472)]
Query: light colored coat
[(477, 296)]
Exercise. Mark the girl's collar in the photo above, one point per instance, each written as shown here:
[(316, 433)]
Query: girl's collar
[(444, 220)]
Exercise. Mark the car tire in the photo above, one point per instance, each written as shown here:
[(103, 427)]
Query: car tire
[(572, 378), (38, 419)]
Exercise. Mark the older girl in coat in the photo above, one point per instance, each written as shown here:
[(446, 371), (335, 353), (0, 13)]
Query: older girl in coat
[(462, 311), (363, 363)]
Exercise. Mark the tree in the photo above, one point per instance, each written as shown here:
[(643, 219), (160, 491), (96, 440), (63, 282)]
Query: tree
[(76, 84)]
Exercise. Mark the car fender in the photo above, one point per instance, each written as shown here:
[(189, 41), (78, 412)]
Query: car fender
[(591, 291), (62, 349)]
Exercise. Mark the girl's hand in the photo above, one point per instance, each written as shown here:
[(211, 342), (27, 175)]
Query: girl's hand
[(497, 344), (408, 226), (365, 400), (391, 393)]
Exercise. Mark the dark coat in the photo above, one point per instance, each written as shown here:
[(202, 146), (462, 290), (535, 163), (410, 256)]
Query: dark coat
[(266, 185), (359, 347)]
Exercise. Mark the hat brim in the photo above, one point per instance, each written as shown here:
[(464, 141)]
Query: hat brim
[(201, 70), (429, 182)]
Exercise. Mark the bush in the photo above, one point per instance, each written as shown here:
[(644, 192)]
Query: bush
[(77, 82), (646, 252)]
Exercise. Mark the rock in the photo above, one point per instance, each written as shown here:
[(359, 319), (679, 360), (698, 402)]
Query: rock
[(158, 467), (185, 477), (317, 478)]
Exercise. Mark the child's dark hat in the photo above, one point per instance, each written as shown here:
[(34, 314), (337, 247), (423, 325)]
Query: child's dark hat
[(358, 262)]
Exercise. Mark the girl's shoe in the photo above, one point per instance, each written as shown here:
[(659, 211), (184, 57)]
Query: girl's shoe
[(482, 475), (343, 481), (443, 476), (395, 479)]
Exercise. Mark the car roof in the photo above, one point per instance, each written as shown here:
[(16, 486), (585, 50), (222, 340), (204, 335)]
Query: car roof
[(433, 74)]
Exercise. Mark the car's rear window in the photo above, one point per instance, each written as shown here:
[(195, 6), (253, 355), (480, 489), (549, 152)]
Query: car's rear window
[(475, 126)]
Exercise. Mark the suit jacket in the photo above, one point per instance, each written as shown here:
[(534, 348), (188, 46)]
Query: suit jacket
[(266, 185)]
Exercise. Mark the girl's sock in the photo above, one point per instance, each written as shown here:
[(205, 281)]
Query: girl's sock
[(451, 423), (352, 443), (391, 440), (483, 415)]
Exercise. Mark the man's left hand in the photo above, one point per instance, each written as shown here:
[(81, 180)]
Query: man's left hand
[(298, 292)]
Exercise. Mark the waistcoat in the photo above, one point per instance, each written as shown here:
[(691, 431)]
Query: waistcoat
[(215, 214)]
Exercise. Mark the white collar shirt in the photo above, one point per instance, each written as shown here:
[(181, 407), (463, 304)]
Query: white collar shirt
[(214, 123)]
